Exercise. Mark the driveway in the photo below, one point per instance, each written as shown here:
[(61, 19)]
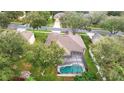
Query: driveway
[(56, 25)]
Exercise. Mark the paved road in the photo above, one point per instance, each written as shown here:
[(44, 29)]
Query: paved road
[(105, 32), (57, 28), (102, 32)]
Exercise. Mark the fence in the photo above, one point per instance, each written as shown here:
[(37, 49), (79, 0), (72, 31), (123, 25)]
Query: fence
[(55, 29), (97, 66)]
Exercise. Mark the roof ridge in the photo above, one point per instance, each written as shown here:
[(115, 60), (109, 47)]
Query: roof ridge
[(75, 41)]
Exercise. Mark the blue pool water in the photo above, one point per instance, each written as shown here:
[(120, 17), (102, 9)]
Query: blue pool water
[(71, 69)]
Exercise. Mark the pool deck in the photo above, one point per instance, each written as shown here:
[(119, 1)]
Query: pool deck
[(68, 75), (74, 59)]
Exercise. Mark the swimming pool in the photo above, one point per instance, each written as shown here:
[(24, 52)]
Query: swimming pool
[(71, 69)]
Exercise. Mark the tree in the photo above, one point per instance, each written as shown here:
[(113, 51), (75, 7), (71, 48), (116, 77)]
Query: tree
[(114, 13), (12, 44), (74, 21), (113, 24), (6, 74), (12, 49), (4, 20), (37, 19), (97, 17), (42, 57), (46, 14), (14, 15), (86, 76), (109, 54)]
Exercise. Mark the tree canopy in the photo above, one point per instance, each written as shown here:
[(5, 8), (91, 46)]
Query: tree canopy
[(74, 21), (97, 17), (14, 15), (37, 19), (109, 53), (43, 57), (114, 13), (12, 49), (113, 24), (4, 20), (12, 44)]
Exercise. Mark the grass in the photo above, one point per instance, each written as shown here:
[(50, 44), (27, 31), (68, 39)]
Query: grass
[(86, 40), (40, 36), (40, 31), (91, 66)]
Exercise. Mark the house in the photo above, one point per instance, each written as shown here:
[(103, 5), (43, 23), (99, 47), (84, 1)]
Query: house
[(94, 37), (12, 26), (17, 27), (59, 15), (21, 28), (29, 36), (69, 42), (74, 48)]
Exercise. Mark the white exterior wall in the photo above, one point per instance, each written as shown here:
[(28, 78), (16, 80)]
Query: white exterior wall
[(21, 29), (90, 35), (56, 25), (32, 40)]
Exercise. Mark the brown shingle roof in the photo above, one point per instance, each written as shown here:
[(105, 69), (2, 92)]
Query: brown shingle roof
[(26, 34), (69, 42)]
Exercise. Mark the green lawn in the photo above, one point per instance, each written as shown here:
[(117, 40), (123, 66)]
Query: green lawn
[(91, 66), (41, 35)]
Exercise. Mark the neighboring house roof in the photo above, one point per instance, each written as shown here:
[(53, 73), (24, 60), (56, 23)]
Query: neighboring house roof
[(12, 26), (120, 33), (95, 37), (27, 34), (70, 42), (16, 26), (59, 15)]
